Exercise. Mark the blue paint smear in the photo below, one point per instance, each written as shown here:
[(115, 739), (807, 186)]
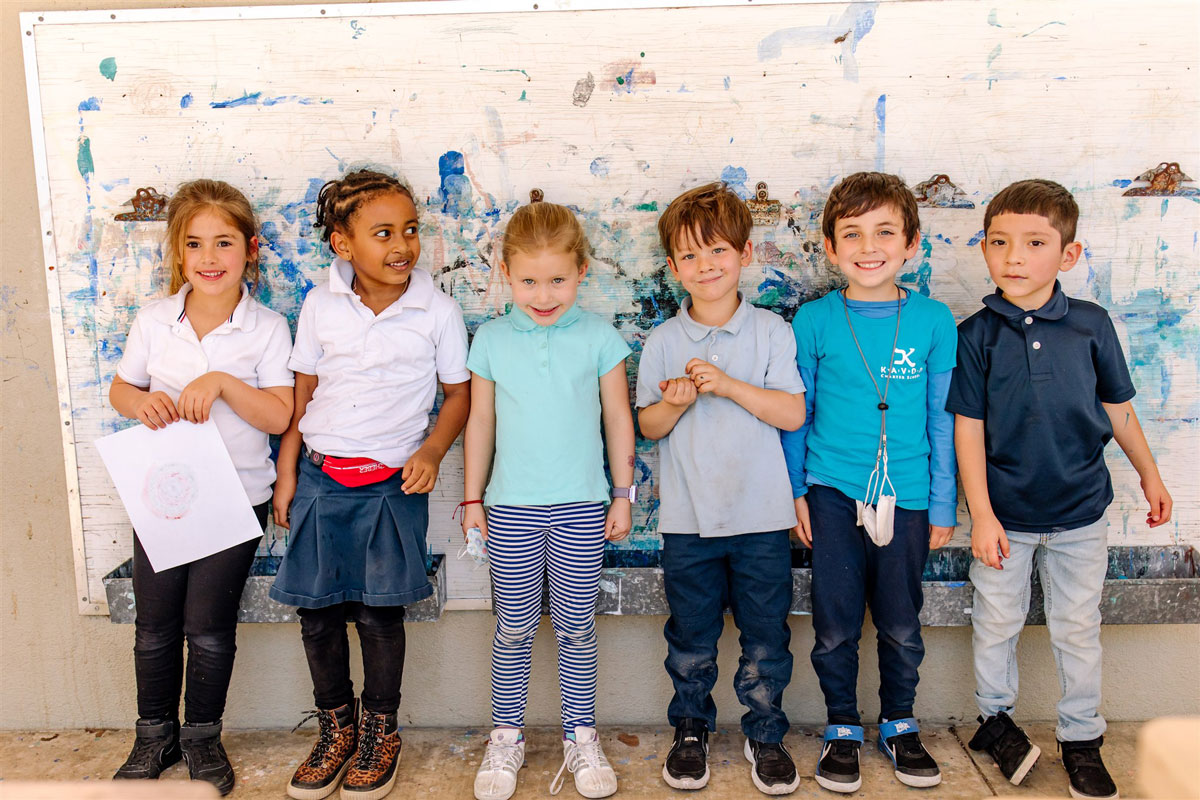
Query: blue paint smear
[(91, 104), (455, 189), (921, 275), (599, 167), (1121, 183), (736, 178), (245, 100), (726, 81), (880, 130), (859, 18), (977, 238), (186, 101)]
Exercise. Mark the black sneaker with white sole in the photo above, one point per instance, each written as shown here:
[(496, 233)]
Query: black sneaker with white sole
[(771, 767), (900, 741), (1008, 746), (837, 769), (687, 762), (1088, 776)]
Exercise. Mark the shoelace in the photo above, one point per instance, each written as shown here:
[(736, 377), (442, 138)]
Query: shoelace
[(324, 736), (206, 751), (909, 744), (368, 757), (589, 754), (143, 752), (498, 756)]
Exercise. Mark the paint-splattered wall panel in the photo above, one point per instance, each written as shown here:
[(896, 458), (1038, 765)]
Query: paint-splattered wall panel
[(614, 112)]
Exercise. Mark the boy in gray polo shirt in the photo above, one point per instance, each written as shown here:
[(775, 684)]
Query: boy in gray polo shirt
[(716, 384)]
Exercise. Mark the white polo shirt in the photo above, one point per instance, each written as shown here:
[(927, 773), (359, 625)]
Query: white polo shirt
[(162, 354), (377, 375)]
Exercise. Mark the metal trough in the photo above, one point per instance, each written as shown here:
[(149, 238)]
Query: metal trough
[(257, 606)]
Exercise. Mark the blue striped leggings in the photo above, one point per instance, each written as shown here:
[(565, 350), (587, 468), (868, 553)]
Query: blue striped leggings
[(524, 544)]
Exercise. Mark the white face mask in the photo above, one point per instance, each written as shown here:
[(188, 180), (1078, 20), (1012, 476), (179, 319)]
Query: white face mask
[(879, 520)]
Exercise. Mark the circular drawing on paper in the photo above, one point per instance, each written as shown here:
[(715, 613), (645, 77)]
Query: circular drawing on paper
[(170, 491)]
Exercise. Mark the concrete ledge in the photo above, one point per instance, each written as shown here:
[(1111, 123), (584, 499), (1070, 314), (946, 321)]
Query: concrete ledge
[(257, 606), (1145, 585)]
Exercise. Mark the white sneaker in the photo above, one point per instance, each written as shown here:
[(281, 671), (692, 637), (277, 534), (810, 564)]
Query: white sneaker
[(497, 775), (584, 758)]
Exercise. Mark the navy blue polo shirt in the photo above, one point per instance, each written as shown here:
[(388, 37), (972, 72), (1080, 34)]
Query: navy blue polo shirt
[(1037, 379)]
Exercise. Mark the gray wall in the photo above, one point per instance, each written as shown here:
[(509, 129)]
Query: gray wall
[(65, 670)]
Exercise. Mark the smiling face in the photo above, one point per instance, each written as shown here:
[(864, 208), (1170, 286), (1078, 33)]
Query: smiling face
[(1024, 254), (215, 253), (709, 272), (869, 250), (380, 242), (545, 283)]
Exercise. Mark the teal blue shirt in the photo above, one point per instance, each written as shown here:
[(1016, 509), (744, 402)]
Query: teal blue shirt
[(844, 436), (548, 444)]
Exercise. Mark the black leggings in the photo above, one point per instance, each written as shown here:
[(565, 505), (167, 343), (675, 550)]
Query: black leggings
[(381, 636), (198, 601)]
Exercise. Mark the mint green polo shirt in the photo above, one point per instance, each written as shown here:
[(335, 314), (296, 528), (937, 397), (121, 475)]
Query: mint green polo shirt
[(548, 444)]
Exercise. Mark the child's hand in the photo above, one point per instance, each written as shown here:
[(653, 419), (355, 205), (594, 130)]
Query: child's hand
[(803, 529), (708, 377), (281, 499), (939, 535), (619, 520), (1159, 499), (157, 410), (988, 541), (196, 399), (680, 392), (474, 517), (421, 471)]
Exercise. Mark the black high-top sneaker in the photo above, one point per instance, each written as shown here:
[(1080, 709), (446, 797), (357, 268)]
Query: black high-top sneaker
[(155, 748), (205, 755), (1086, 771), (1008, 746), (687, 762)]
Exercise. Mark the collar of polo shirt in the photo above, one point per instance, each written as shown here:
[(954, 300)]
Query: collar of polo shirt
[(1055, 307), (696, 331), (523, 322), (242, 318), (418, 294)]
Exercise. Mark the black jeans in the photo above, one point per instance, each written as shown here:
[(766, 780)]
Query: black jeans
[(197, 601), (381, 636)]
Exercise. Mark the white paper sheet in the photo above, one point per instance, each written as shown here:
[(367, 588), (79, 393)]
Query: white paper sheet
[(180, 489)]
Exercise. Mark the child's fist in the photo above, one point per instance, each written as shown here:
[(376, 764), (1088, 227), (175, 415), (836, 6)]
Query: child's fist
[(678, 391), (707, 377)]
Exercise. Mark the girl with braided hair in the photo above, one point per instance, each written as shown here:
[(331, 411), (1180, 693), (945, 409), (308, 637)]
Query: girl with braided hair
[(355, 470)]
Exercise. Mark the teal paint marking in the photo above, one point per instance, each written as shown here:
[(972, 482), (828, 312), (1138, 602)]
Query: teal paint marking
[(108, 68), (523, 72), (992, 56), (992, 19), (83, 159), (91, 104), (522, 97), (1039, 27)]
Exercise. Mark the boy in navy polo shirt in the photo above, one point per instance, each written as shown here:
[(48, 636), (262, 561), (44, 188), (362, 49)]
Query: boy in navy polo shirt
[(715, 385), (1040, 388)]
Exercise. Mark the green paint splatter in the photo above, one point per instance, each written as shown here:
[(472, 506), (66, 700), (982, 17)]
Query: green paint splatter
[(84, 159), (522, 97), (651, 206), (643, 54), (108, 68), (620, 81)]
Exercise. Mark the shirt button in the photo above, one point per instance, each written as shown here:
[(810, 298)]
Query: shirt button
[(1029, 320), (716, 358), (1037, 345)]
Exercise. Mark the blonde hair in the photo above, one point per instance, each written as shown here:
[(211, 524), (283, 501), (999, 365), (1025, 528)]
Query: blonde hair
[(544, 226), (204, 195)]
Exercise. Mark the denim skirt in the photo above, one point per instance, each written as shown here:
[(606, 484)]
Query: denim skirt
[(364, 544)]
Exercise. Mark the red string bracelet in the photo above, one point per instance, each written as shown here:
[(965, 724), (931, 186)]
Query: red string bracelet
[(457, 508)]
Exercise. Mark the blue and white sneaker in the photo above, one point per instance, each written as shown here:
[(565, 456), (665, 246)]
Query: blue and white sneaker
[(837, 769), (900, 740)]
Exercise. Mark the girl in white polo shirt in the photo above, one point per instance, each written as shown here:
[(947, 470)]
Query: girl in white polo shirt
[(209, 351), (546, 377), (372, 345)]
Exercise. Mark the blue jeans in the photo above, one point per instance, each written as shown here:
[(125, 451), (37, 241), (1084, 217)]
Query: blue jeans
[(752, 574), (850, 572), (1072, 565)]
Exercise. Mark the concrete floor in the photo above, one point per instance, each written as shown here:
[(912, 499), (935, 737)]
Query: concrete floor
[(441, 762)]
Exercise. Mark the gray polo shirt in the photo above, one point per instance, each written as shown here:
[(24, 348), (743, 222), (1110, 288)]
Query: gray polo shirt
[(721, 470)]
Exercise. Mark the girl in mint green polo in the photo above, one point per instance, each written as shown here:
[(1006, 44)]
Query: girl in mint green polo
[(545, 378)]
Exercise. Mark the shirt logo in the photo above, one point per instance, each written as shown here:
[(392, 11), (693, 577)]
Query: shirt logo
[(902, 356), (906, 365)]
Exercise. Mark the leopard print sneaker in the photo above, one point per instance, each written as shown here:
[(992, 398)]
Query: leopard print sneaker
[(373, 771), (319, 774)]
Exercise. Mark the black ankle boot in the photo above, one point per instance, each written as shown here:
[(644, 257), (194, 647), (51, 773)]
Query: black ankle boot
[(205, 756), (155, 748)]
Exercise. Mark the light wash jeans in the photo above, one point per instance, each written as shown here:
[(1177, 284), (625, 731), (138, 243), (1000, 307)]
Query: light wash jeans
[(1072, 565)]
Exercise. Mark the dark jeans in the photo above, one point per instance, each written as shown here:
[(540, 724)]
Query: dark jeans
[(381, 636), (850, 572), (752, 575), (197, 601)]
